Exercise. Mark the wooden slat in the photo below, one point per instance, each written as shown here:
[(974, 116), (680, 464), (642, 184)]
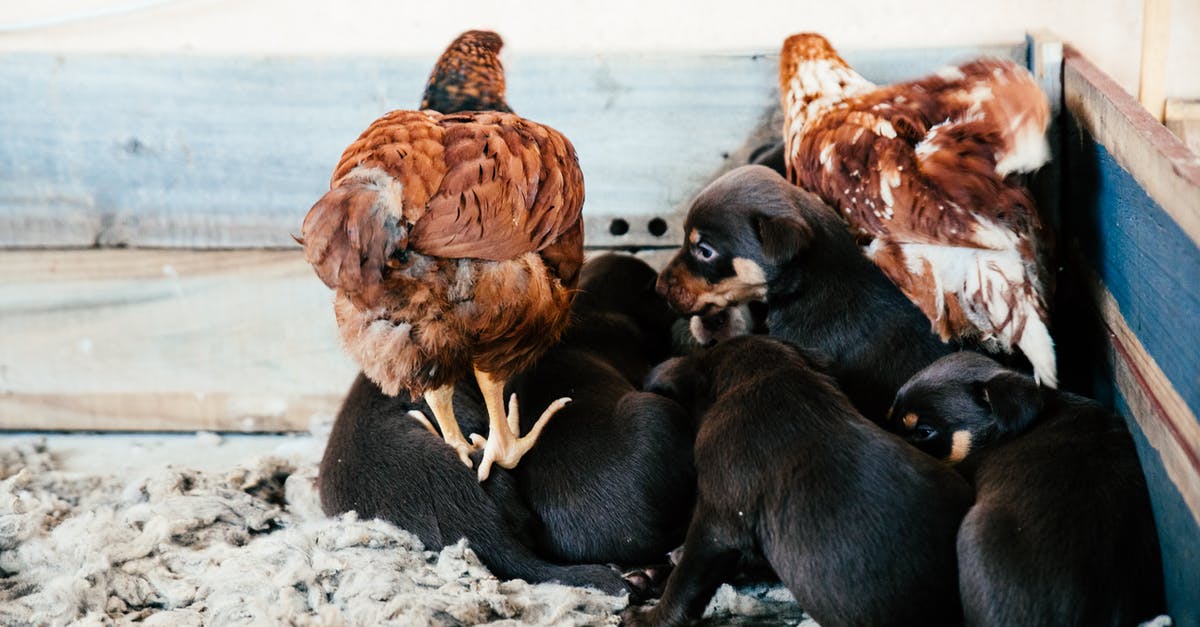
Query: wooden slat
[(169, 340), (1183, 119), (1152, 79), (212, 152), (1158, 160), (1164, 418), (166, 339), (1045, 62), (150, 410)]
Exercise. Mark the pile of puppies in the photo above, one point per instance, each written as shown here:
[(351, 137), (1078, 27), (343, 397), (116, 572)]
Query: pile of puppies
[(886, 477)]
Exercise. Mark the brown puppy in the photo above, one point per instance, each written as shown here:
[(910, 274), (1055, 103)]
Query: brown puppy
[(1061, 532), (752, 236), (857, 524)]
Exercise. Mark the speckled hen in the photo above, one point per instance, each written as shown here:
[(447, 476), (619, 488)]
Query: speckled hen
[(453, 243), (925, 173)]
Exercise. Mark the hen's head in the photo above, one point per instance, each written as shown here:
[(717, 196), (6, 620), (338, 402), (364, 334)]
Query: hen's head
[(812, 76), (468, 76)]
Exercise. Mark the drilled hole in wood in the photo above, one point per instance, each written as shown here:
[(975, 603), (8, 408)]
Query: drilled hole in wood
[(618, 227), (657, 227)]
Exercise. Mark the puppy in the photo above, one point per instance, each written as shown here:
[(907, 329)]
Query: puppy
[(751, 235), (611, 481), (857, 524), (1061, 532), (382, 463)]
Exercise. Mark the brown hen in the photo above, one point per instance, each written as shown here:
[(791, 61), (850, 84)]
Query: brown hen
[(925, 171), (453, 242)]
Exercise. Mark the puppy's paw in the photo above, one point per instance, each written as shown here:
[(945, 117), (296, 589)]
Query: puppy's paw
[(638, 617), (648, 582)]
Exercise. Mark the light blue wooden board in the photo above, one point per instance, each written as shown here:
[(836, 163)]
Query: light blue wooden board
[(230, 152)]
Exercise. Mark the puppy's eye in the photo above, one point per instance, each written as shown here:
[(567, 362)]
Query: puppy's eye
[(704, 252), (922, 433)]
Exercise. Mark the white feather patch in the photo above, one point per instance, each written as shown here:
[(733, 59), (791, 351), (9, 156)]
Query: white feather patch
[(1030, 151), (951, 73)]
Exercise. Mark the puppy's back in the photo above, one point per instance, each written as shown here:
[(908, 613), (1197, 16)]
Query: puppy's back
[(1062, 531), (858, 524)]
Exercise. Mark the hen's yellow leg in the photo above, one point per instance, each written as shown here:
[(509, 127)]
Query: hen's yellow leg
[(502, 445), (441, 401)]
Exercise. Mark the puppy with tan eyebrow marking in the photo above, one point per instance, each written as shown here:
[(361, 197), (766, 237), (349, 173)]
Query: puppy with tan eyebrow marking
[(858, 525), (752, 236), (1061, 532)]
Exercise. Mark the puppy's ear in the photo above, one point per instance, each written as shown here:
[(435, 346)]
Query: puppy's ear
[(782, 237), (677, 379), (1015, 400)]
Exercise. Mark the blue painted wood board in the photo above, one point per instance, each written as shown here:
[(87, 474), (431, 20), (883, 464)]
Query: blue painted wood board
[(1148, 263), (1178, 533), (1152, 269)]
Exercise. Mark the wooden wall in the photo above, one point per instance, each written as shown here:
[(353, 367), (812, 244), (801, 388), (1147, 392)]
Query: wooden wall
[(1128, 312), (148, 280)]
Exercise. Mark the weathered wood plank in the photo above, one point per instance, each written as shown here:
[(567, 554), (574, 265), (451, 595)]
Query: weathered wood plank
[(169, 340), (1164, 418), (173, 339), (1159, 161), (1131, 193), (164, 411), (207, 152)]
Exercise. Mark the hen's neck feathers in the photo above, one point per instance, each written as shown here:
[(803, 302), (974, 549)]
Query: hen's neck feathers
[(468, 76), (812, 78)]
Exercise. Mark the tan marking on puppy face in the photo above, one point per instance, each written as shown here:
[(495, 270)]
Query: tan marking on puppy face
[(694, 236), (910, 421), (960, 446), (749, 282)]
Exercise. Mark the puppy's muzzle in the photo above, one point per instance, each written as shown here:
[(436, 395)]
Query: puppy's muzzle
[(676, 284)]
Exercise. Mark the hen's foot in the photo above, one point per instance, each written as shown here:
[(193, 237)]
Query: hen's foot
[(502, 446), (459, 444)]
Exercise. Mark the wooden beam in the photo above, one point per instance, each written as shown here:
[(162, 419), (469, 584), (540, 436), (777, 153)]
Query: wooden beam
[(1156, 30), (1157, 159)]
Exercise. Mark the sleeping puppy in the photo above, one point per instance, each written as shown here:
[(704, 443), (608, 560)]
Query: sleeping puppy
[(383, 463), (752, 236), (1061, 532), (610, 481), (857, 524)]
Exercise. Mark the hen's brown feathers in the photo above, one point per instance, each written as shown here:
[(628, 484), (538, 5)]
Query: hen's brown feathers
[(923, 170), (489, 186), (468, 76)]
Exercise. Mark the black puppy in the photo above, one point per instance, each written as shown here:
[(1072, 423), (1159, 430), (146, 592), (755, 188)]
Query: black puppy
[(858, 525), (1061, 532), (751, 235), (611, 478), (383, 463), (610, 481)]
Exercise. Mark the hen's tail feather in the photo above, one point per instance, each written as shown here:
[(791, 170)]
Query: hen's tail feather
[(1038, 348), (348, 237), (1016, 107)]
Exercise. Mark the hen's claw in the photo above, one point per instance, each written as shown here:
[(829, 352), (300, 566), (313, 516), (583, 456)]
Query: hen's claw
[(460, 446), (503, 447)]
